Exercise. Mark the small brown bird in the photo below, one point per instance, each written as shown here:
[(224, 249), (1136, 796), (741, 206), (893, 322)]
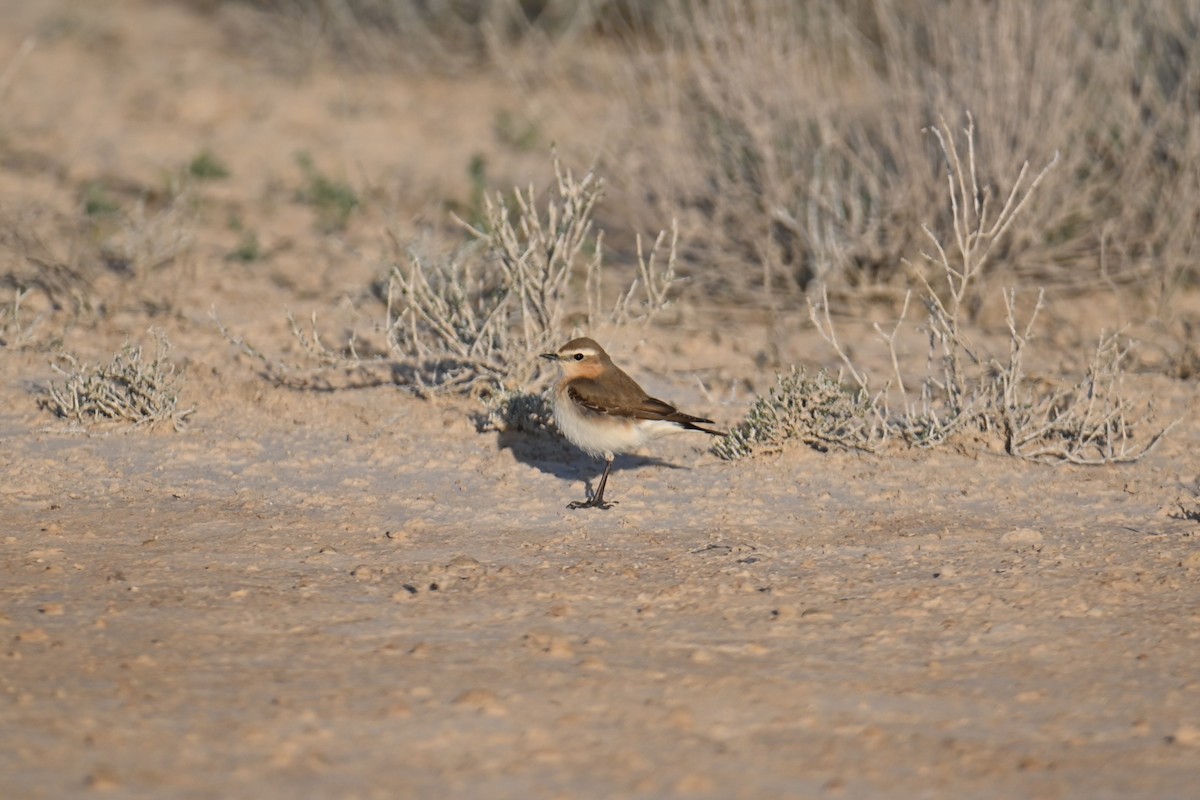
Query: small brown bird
[(604, 412)]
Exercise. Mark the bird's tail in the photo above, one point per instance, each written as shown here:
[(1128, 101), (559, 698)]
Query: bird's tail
[(688, 422)]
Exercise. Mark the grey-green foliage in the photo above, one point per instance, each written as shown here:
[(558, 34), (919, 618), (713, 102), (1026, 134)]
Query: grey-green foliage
[(333, 200), (207, 167), (129, 389), (814, 409), (507, 410)]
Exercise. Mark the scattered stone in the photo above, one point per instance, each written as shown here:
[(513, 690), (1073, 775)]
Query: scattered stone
[(407, 592), (1185, 735)]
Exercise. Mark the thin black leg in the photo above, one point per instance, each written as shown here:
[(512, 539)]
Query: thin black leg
[(597, 500)]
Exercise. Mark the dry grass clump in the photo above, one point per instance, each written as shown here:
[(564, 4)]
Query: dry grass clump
[(130, 389), (966, 391), (790, 134)]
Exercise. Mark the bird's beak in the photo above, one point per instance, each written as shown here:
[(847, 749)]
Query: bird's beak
[(550, 356)]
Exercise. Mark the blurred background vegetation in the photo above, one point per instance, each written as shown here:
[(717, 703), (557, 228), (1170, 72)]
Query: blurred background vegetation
[(791, 138)]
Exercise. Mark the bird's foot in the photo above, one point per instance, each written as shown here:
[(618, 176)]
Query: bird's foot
[(595, 502)]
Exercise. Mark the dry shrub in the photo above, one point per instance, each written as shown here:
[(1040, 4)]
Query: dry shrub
[(515, 410), (441, 36), (16, 331), (89, 264), (968, 391), (146, 239), (817, 410), (473, 320), (130, 389), (473, 324), (50, 256), (791, 135)]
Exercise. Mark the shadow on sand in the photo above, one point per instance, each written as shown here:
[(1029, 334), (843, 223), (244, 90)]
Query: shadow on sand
[(563, 460)]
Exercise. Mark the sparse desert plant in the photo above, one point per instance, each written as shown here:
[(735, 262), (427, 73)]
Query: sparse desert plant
[(472, 322), (515, 410), (14, 330), (206, 166), (148, 240), (817, 410), (474, 319), (131, 389), (516, 131), (332, 200), (786, 137), (248, 248), (427, 36), (52, 254), (1089, 422), (965, 389), (89, 265), (98, 200)]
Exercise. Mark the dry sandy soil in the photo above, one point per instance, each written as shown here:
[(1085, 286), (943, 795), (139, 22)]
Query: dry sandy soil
[(354, 594)]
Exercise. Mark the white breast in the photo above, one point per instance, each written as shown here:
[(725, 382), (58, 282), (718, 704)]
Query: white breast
[(595, 434), (602, 435)]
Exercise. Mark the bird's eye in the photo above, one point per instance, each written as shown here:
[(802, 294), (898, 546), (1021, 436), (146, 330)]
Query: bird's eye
[(579, 356)]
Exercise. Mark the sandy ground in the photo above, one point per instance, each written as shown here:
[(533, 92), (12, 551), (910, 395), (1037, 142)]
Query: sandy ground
[(354, 594)]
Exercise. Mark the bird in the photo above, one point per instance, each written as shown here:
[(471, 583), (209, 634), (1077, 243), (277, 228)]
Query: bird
[(604, 412)]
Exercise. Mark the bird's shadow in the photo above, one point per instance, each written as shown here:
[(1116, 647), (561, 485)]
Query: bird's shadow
[(556, 457)]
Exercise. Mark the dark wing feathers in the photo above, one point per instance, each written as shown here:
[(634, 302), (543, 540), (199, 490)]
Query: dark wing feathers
[(595, 397)]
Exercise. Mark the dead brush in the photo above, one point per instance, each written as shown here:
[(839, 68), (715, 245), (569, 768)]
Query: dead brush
[(786, 136), (472, 321), (50, 254), (130, 389), (967, 390), (474, 325), (146, 240), (15, 332)]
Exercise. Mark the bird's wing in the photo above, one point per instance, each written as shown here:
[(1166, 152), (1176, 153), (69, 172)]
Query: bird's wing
[(624, 398)]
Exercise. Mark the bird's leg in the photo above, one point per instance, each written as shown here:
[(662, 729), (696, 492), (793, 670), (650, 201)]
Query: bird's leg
[(597, 500)]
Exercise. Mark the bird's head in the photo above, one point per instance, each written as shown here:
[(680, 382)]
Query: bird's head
[(580, 358)]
